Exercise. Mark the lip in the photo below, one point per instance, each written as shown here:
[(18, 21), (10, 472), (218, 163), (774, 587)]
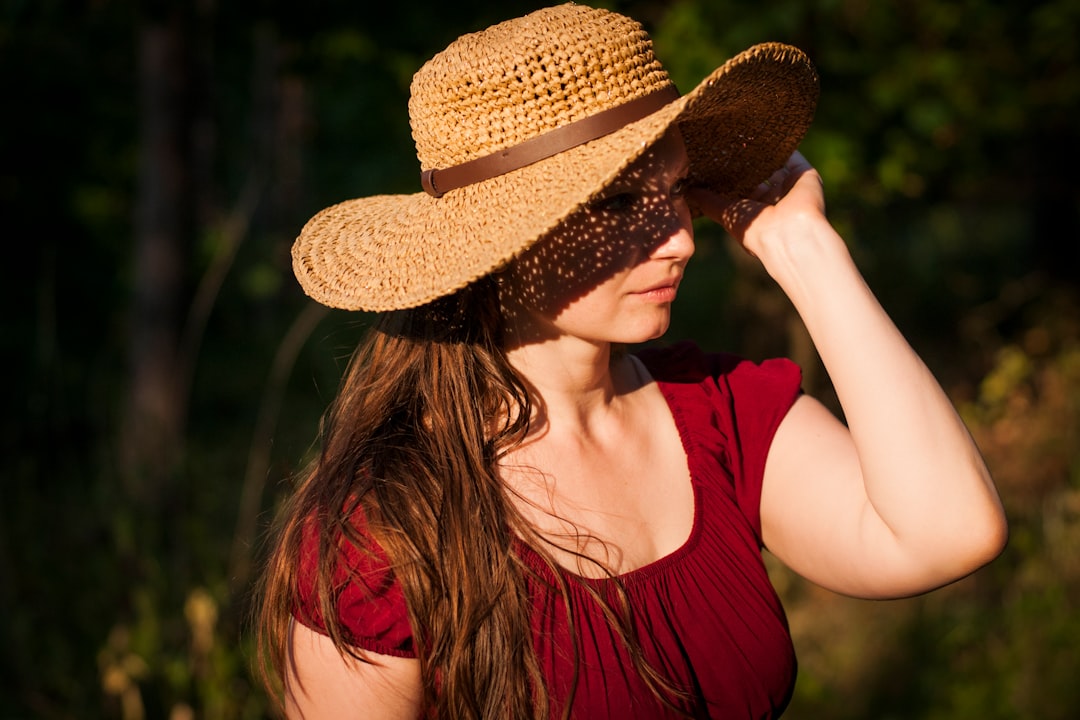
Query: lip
[(661, 292)]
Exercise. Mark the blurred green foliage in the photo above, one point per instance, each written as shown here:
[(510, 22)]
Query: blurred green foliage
[(947, 137)]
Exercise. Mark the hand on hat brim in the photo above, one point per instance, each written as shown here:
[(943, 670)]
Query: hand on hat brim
[(794, 189)]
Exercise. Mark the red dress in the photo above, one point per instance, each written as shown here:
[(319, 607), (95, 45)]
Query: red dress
[(706, 615)]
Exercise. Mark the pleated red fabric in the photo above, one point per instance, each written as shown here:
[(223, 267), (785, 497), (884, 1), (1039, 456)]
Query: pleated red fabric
[(706, 615)]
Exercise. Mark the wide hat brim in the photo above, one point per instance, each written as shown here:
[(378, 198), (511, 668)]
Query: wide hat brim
[(391, 252)]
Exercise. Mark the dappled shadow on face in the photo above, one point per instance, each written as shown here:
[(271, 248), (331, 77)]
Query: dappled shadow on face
[(637, 213)]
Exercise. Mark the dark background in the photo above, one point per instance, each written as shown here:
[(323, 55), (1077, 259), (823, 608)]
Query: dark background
[(166, 375)]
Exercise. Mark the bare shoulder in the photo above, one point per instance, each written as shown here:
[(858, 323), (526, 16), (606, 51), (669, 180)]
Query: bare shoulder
[(321, 683)]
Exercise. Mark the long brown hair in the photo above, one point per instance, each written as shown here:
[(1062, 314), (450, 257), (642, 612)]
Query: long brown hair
[(427, 407)]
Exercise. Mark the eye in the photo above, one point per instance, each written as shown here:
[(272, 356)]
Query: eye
[(680, 186), (613, 203)]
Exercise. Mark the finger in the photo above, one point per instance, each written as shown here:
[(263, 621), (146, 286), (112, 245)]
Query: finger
[(781, 184), (781, 180), (797, 163)]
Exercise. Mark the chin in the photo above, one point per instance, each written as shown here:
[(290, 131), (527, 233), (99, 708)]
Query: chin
[(645, 334)]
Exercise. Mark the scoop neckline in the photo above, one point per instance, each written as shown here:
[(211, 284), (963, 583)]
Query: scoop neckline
[(642, 572)]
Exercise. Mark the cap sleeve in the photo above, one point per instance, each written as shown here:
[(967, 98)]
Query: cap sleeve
[(370, 604), (732, 405)]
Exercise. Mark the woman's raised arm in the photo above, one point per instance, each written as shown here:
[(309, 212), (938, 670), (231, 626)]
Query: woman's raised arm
[(898, 501)]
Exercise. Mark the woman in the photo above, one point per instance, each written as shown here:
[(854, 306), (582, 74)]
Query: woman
[(515, 516)]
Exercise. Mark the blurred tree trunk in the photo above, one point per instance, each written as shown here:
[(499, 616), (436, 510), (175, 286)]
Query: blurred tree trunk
[(150, 444)]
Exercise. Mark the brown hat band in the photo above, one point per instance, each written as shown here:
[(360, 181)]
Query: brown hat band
[(543, 146)]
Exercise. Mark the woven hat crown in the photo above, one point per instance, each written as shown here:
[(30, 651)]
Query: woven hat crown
[(519, 126), (518, 79)]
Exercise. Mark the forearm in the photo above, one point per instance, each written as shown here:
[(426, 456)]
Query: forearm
[(924, 478)]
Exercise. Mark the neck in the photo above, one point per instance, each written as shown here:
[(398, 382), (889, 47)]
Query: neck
[(574, 382)]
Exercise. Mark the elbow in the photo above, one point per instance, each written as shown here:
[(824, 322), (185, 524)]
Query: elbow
[(979, 534), (985, 526), (996, 535), (984, 539), (976, 545), (994, 528)]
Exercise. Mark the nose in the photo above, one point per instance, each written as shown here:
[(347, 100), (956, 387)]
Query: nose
[(676, 240)]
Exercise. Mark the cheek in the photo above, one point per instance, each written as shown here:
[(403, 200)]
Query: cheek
[(561, 269)]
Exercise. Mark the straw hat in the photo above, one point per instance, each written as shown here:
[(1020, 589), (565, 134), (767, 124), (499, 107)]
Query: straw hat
[(518, 126)]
